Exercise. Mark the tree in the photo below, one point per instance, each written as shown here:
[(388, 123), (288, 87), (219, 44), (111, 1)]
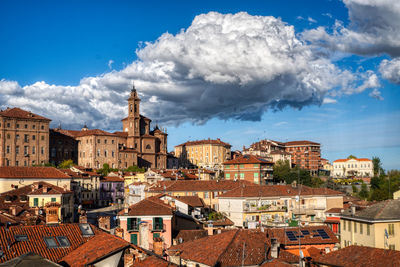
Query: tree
[(351, 157), (66, 164), (377, 164), (281, 170), (355, 190), (364, 193), (135, 168)]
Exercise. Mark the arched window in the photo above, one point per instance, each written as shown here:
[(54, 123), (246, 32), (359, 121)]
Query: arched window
[(148, 147)]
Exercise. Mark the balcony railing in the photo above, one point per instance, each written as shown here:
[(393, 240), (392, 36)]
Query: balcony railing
[(133, 227), (158, 227), (253, 208)]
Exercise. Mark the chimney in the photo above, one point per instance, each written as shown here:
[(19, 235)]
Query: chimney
[(105, 223), (210, 229), (158, 245), (45, 189), (52, 213), (353, 210), (83, 217), (274, 248), (13, 210)]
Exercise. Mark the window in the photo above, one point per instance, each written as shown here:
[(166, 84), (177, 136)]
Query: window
[(156, 235), (98, 141), (42, 127), (16, 163), (50, 242), (26, 150), (8, 136), (53, 199), (157, 224), (42, 150), (17, 137), (112, 153), (349, 224), (227, 166), (105, 141), (112, 141), (368, 229), (8, 125), (17, 125), (33, 150), (344, 225), (133, 224), (241, 166), (361, 228), (148, 147), (391, 228), (20, 238), (34, 126), (105, 153), (26, 126), (35, 202), (392, 247), (255, 165), (236, 175), (227, 175), (8, 149), (242, 176), (33, 137), (63, 241), (206, 195), (42, 138), (26, 138), (17, 150), (355, 227), (98, 152)]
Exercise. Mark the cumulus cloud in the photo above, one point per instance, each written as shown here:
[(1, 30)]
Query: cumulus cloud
[(374, 29), (390, 70), (328, 100), (226, 66)]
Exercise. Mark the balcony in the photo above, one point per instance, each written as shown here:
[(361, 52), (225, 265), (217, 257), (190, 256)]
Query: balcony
[(307, 209), (158, 227), (133, 227), (262, 208)]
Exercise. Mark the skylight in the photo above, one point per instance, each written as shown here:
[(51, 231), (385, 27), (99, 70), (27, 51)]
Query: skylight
[(50, 242), (20, 238), (63, 241), (86, 229)]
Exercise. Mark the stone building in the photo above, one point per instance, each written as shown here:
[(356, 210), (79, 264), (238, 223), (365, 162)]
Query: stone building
[(135, 145), (203, 153), (24, 138)]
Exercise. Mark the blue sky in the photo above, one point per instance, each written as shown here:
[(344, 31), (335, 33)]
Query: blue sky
[(63, 42)]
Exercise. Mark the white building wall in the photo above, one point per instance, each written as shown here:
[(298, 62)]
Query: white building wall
[(233, 208)]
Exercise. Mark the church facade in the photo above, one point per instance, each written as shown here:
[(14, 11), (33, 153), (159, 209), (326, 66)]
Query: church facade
[(136, 144)]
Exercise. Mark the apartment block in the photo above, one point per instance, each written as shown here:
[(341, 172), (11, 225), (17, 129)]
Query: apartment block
[(24, 138)]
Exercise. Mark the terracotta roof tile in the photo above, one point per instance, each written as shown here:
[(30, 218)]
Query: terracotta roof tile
[(312, 239), (226, 249), (95, 248), (190, 235), (301, 143), (276, 263), (112, 179), (276, 190), (196, 186), (32, 173), (97, 132), (193, 201), (21, 114), (43, 188), (205, 142), (248, 159), (345, 160), (360, 256), (148, 206), (36, 243), (153, 261)]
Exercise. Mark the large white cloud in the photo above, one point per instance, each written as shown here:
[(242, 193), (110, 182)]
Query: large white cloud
[(225, 66), (390, 70), (374, 29)]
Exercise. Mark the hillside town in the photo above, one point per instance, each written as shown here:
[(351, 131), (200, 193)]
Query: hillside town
[(90, 197)]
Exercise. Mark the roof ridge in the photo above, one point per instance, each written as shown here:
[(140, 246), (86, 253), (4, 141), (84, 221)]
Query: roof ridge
[(382, 209)]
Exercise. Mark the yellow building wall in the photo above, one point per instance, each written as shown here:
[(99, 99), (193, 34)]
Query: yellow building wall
[(5, 184), (375, 239), (43, 200), (138, 177)]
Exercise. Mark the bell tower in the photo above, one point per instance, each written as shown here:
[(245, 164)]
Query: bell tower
[(132, 123)]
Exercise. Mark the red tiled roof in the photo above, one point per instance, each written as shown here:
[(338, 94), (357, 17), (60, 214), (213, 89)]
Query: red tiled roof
[(36, 243), (360, 256), (205, 142), (276, 263), (301, 143), (345, 160), (21, 114), (276, 190), (280, 235), (196, 186), (226, 249), (112, 179), (94, 249), (32, 173), (148, 206), (38, 188), (97, 132), (70, 133), (193, 201), (121, 134), (153, 261), (247, 159), (190, 235), (334, 210), (223, 222)]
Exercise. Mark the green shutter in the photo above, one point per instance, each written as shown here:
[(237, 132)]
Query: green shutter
[(53, 199), (129, 225), (156, 235), (35, 202), (134, 239)]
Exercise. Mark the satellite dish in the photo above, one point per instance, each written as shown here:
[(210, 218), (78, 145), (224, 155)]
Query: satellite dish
[(41, 212)]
